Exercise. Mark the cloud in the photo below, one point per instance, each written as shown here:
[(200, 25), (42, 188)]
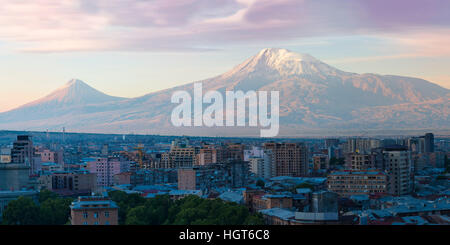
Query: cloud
[(198, 25)]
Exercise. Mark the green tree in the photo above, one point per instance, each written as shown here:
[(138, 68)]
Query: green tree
[(22, 211), (125, 202), (304, 185), (55, 211), (46, 194), (260, 183), (137, 216), (337, 161), (254, 219)]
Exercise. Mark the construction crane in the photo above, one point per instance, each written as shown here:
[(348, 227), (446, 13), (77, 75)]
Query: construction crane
[(140, 151)]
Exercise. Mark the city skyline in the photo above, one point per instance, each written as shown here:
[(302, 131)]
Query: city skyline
[(147, 47)]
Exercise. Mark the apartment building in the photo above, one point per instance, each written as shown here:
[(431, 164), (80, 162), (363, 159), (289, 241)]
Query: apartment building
[(353, 182), (94, 210), (291, 159)]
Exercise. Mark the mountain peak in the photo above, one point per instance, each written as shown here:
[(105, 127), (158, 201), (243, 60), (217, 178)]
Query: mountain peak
[(74, 81), (75, 84), (284, 63), (281, 54), (74, 92)]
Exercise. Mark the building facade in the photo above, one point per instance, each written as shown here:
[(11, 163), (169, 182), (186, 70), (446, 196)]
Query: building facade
[(291, 159), (94, 210), (354, 182)]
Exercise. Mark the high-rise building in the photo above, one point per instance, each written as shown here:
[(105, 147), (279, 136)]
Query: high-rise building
[(397, 164), (23, 151), (429, 142), (320, 162), (230, 152), (359, 161), (422, 144), (290, 158), (263, 166), (361, 145), (106, 167), (207, 155), (181, 155)]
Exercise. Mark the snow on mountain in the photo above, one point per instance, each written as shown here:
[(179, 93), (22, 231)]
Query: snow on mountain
[(313, 96)]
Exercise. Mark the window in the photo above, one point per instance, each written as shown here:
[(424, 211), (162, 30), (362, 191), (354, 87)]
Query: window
[(96, 215), (96, 223), (85, 215), (106, 214), (85, 223)]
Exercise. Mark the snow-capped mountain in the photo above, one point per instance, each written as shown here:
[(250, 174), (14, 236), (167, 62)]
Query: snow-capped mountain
[(313, 96)]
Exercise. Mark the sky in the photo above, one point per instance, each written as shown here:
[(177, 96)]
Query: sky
[(129, 48)]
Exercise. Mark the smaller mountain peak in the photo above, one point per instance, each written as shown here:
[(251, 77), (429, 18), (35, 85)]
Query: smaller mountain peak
[(74, 81)]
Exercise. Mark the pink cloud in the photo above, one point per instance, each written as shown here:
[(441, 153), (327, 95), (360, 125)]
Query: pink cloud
[(76, 25)]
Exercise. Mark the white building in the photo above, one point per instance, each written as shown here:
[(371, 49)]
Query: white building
[(262, 165)]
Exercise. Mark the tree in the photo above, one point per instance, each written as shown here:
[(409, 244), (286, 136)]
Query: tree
[(260, 183), (254, 219), (22, 211), (137, 216), (337, 161), (55, 211), (45, 195), (304, 185), (125, 202)]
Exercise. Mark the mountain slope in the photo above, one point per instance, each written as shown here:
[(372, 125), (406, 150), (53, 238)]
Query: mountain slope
[(72, 98), (313, 96)]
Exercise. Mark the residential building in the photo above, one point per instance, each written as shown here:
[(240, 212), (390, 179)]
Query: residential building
[(5, 155), (70, 181), (106, 168), (320, 162), (354, 182), (233, 174), (14, 176), (291, 159), (94, 210), (207, 155), (181, 155), (23, 152), (360, 161)]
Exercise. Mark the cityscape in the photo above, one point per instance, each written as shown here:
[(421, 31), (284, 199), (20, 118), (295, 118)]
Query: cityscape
[(90, 179), (213, 121)]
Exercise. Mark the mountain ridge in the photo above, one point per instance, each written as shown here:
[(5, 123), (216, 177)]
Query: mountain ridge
[(313, 95)]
